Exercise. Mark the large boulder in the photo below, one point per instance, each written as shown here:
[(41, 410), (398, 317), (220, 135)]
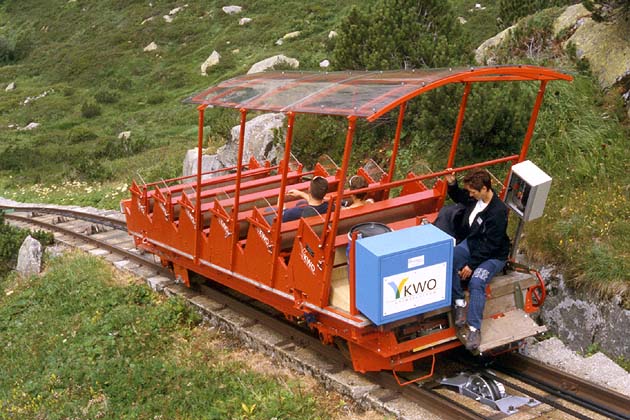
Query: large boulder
[(271, 62), (208, 163), (29, 257), (260, 133), (212, 60), (605, 46), (484, 54), (571, 18)]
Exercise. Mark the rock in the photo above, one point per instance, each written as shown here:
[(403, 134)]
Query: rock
[(280, 41), (260, 133), (230, 10), (236, 51), (570, 19), (10, 87), (208, 163), (293, 34), (149, 19), (124, 135), (580, 321), (29, 257), (324, 64), (29, 126), (332, 34), (270, 62), (176, 10), (484, 54), (462, 20), (244, 21), (168, 18), (212, 60), (605, 46), (151, 47)]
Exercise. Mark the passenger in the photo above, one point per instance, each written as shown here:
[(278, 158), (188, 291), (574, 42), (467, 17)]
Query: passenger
[(358, 182), (314, 199), (482, 253)]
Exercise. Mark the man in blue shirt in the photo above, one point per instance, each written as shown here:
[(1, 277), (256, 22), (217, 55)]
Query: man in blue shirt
[(314, 199)]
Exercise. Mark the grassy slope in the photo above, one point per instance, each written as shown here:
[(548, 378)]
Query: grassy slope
[(83, 342), (82, 49)]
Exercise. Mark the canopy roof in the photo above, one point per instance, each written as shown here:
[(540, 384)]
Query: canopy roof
[(366, 94)]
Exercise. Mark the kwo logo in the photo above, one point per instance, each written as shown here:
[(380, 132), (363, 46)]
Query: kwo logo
[(402, 289)]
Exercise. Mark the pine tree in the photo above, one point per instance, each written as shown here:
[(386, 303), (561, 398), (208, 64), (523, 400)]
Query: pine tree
[(400, 34)]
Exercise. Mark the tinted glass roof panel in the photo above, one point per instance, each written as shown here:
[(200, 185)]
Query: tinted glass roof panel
[(361, 94)]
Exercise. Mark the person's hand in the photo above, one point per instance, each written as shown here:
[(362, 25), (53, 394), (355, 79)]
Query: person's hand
[(450, 178), (465, 272), (297, 194)]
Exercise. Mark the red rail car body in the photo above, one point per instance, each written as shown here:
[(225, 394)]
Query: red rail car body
[(217, 226)]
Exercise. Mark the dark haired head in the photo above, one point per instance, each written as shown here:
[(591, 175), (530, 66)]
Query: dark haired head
[(478, 179), (319, 187)]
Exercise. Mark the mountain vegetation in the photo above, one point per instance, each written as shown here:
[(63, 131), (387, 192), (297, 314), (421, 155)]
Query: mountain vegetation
[(82, 75)]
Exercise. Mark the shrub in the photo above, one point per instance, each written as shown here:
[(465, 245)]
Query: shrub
[(156, 99), (106, 97), (399, 34), (90, 110), (81, 134), (92, 170), (7, 51), (510, 11)]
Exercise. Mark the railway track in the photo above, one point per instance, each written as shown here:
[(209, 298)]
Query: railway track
[(559, 395)]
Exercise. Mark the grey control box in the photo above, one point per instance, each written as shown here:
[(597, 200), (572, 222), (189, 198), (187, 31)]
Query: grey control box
[(527, 192)]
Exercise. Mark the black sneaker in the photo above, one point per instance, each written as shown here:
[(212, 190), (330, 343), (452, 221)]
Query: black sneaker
[(473, 340), (460, 315)]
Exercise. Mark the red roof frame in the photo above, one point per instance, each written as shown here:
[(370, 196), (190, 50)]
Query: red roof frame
[(361, 94)]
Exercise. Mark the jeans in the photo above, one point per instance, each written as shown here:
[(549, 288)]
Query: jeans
[(478, 281)]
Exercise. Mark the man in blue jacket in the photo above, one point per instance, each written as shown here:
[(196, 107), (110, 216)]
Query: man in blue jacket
[(483, 252)]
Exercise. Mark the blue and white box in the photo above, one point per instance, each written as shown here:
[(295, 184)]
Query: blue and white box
[(403, 273)]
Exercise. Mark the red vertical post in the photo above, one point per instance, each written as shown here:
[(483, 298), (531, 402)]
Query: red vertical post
[(239, 174), (392, 160), (198, 218), (458, 126), (532, 121), (283, 185), (342, 181), (352, 273)]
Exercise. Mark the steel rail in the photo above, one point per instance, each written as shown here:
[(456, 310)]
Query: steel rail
[(101, 220), (569, 387), (99, 243)]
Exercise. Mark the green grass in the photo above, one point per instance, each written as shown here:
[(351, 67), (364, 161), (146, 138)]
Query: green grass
[(83, 342)]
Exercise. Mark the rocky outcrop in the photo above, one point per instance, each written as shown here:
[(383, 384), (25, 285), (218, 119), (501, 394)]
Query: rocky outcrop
[(270, 62), (484, 54), (260, 133), (10, 87), (583, 322), (570, 19), (605, 46), (29, 257)]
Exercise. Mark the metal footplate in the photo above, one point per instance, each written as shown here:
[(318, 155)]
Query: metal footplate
[(488, 391)]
